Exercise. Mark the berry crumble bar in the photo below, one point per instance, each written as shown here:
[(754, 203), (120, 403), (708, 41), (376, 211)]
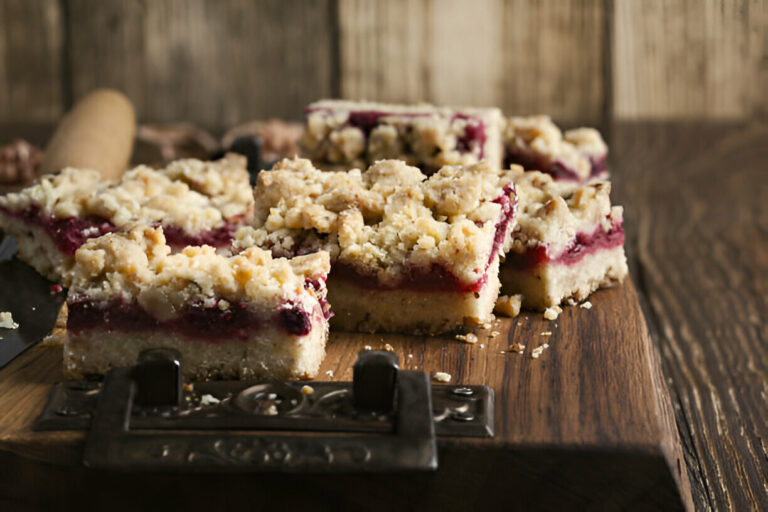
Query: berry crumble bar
[(196, 202), (567, 243), (409, 254), (345, 134), (536, 143), (243, 316)]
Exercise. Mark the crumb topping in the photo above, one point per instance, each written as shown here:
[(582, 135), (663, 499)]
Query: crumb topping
[(138, 266), (539, 139), (6, 320), (191, 194), (356, 133), (382, 220), (553, 213)]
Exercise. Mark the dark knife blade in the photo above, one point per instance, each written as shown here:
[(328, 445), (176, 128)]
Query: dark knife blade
[(27, 295)]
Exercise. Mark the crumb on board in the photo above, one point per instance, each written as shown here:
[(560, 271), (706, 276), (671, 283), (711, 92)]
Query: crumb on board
[(482, 345), (538, 350), (307, 390), (271, 410), (209, 400), (494, 334), (6, 320), (517, 347), (329, 373), (441, 377), (508, 305), (367, 347), (467, 338), (552, 313), (586, 305), (410, 356), (546, 333), (388, 347)]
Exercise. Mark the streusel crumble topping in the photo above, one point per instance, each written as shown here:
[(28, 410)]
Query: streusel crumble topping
[(384, 220), (138, 265), (554, 213)]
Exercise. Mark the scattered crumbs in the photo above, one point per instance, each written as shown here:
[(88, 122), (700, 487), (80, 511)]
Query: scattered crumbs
[(367, 347), (441, 377), (508, 305), (329, 373), (552, 313), (188, 387), (34, 308), (546, 333), (570, 301), (271, 410), (538, 350), (271, 396), (502, 351), (410, 356), (467, 338), (294, 401), (487, 325), (517, 347), (586, 305), (494, 334), (482, 345), (307, 390), (546, 345), (209, 400), (6, 320), (389, 348)]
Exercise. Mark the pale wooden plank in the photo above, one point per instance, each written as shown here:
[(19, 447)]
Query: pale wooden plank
[(553, 57), (213, 63), (690, 59), (31, 40)]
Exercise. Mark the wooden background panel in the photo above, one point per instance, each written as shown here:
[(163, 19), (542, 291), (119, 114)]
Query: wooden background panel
[(210, 62), (553, 56), (31, 45), (689, 58)]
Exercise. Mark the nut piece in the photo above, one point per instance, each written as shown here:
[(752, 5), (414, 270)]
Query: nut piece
[(441, 377), (507, 305), (470, 338), (517, 347)]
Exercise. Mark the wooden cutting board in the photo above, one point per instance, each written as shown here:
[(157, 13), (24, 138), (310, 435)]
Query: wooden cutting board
[(587, 424)]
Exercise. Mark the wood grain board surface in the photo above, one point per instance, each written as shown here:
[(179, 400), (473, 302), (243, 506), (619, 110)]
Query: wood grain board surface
[(590, 414)]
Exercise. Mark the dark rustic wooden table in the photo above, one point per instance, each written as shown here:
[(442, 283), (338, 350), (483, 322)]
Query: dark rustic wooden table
[(696, 205)]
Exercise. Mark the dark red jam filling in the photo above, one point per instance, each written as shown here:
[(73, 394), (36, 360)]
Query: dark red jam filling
[(195, 322), (68, 234), (557, 169), (474, 135), (216, 237), (598, 166), (580, 246), (436, 278)]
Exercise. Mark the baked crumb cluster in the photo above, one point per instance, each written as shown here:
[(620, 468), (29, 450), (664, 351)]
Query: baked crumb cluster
[(553, 213), (538, 143), (355, 134), (382, 221), (137, 265), (191, 194)]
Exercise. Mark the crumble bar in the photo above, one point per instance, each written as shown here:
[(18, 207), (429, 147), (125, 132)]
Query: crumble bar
[(345, 134), (536, 143), (410, 253), (568, 241), (242, 316), (196, 202)]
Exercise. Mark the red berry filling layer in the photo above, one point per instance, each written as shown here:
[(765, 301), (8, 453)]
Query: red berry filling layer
[(69, 233), (557, 169), (437, 278), (366, 120), (581, 245)]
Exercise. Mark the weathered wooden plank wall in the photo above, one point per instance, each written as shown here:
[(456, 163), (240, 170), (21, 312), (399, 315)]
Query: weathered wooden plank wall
[(220, 62)]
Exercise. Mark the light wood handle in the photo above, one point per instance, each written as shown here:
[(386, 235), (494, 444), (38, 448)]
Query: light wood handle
[(98, 133)]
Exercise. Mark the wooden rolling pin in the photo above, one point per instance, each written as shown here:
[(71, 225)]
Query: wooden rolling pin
[(98, 133)]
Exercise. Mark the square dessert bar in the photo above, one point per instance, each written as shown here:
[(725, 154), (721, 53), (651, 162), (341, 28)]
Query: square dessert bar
[(243, 316), (409, 254), (345, 134), (536, 143), (568, 241), (196, 203)]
